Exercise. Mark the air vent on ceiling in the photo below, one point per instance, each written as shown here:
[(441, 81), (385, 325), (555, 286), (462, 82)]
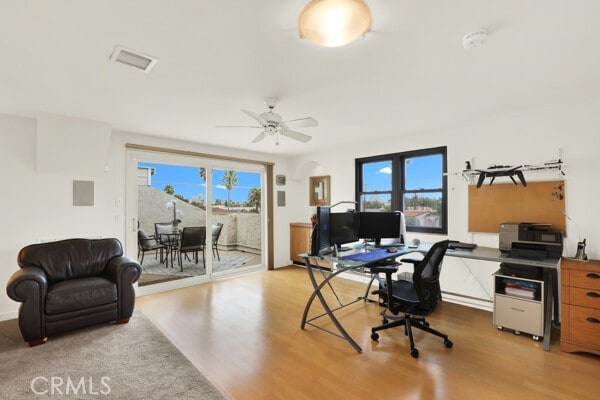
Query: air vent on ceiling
[(133, 58)]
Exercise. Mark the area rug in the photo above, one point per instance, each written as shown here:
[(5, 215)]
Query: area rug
[(154, 267), (130, 361)]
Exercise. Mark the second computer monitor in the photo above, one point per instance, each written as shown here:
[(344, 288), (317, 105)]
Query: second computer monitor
[(378, 225), (344, 228)]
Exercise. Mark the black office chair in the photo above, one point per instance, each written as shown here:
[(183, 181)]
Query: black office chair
[(216, 232), (415, 299), (193, 240), (149, 243)]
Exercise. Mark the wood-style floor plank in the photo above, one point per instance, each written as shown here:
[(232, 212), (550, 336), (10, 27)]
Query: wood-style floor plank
[(244, 334)]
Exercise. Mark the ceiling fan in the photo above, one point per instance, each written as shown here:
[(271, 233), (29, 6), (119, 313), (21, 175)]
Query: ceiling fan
[(272, 124)]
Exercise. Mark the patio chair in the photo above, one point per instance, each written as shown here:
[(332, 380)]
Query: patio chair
[(216, 232), (149, 243), (193, 240), (167, 235)]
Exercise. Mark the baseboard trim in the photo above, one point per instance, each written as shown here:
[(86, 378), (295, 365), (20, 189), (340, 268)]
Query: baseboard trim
[(9, 315)]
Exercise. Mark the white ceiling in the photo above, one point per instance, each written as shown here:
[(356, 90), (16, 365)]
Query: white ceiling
[(410, 74)]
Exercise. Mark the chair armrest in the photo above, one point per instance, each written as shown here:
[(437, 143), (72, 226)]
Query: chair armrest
[(384, 269), (123, 270), (410, 260), (26, 284)]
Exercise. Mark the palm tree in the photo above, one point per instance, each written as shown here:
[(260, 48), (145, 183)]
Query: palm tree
[(202, 173), (254, 198), (169, 189), (229, 180)]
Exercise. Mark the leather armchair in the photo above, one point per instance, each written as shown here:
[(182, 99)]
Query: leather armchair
[(70, 284)]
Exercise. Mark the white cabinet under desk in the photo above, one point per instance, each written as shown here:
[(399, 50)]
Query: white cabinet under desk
[(519, 304)]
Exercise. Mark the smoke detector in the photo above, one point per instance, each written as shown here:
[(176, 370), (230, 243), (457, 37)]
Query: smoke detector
[(133, 58), (474, 39)]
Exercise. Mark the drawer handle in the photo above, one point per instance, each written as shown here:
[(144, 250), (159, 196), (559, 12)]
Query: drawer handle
[(593, 294), (593, 320), (517, 309), (593, 275)]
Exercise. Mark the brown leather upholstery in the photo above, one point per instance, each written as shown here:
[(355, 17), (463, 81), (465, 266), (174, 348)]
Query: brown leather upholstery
[(70, 284)]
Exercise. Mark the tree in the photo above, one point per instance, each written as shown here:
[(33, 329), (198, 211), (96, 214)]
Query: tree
[(229, 180), (182, 198), (202, 173), (254, 199), (169, 189)]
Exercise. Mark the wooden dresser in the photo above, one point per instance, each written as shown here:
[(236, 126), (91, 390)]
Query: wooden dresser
[(299, 240), (580, 306)]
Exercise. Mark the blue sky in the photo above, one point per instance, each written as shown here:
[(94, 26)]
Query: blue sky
[(188, 183), (421, 172)]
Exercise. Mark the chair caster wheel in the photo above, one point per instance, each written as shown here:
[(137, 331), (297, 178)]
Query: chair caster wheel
[(375, 336), (414, 353), (448, 344), (426, 323), (384, 321)]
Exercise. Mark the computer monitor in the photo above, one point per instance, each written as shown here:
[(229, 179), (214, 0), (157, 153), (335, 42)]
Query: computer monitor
[(321, 231), (378, 225), (344, 228)]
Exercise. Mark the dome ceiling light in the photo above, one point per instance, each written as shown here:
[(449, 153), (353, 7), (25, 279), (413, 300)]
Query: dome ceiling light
[(334, 23)]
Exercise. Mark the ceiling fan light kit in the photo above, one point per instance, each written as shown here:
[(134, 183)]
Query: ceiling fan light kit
[(334, 23)]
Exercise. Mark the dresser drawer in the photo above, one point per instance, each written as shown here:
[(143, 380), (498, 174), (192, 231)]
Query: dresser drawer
[(584, 297), (520, 315), (582, 330), (584, 279)]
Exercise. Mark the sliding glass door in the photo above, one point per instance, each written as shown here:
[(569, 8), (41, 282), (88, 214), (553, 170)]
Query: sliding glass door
[(193, 219)]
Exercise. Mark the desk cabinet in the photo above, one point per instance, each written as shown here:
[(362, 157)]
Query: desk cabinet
[(519, 305), (299, 240), (580, 306)]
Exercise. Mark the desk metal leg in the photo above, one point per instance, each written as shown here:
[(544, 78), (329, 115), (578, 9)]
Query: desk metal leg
[(551, 298), (328, 311)]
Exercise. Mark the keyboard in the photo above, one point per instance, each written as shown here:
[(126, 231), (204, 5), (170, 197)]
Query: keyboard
[(456, 245)]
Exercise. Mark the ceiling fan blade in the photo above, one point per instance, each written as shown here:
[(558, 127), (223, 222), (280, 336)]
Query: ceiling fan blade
[(296, 135), (257, 117), (238, 126), (259, 137), (308, 122)]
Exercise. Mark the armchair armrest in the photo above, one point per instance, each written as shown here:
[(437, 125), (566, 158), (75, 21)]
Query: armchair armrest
[(29, 286), (384, 269), (21, 283), (124, 272)]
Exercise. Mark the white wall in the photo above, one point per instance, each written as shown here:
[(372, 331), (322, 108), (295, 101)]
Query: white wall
[(530, 137), (38, 205)]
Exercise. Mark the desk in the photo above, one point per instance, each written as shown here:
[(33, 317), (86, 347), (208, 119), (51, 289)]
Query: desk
[(550, 268), (341, 265)]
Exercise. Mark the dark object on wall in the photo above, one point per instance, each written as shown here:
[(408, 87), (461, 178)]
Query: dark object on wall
[(280, 180), (71, 284), (501, 170), (83, 193)]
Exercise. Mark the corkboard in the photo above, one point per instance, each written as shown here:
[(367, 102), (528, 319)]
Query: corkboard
[(541, 202)]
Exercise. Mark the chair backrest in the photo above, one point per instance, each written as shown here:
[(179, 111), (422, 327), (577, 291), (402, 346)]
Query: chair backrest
[(161, 229), (144, 242), (193, 236), (426, 274), (216, 232), (71, 258)]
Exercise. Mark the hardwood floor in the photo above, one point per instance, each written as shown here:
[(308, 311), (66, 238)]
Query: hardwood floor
[(244, 334)]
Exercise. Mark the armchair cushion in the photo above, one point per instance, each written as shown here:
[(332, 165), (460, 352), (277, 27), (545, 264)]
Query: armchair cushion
[(80, 293)]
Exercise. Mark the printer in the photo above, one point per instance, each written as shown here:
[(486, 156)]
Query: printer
[(530, 240)]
